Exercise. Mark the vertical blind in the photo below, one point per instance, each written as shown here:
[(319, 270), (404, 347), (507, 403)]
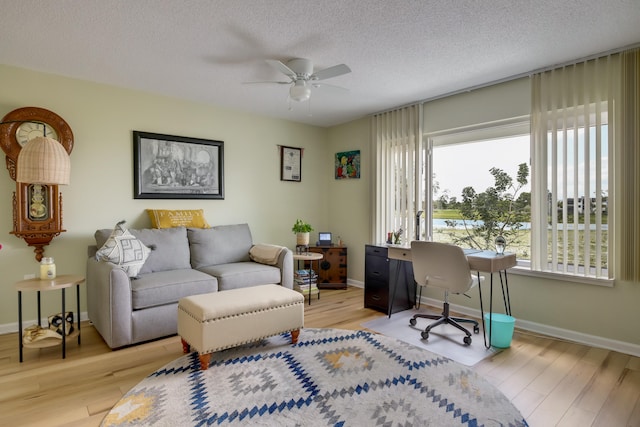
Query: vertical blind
[(627, 171), (399, 191), (573, 133)]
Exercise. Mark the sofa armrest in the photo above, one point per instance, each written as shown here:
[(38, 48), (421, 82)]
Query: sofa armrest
[(109, 303), (285, 263), (266, 254)]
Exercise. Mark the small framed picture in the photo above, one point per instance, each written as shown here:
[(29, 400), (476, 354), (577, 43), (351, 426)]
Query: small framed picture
[(290, 164), (177, 167), (347, 164)]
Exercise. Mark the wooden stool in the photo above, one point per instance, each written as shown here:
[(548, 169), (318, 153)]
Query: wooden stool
[(220, 320)]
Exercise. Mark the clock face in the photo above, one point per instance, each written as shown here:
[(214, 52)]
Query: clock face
[(28, 131), (23, 124)]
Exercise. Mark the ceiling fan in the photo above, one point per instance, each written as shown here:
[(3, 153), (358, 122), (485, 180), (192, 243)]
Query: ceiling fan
[(302, 77)]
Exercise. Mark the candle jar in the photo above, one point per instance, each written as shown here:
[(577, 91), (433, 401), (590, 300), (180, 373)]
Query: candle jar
[(47, 269)]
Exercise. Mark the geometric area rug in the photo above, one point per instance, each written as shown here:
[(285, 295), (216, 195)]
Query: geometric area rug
[(331, 377), (444, 340)]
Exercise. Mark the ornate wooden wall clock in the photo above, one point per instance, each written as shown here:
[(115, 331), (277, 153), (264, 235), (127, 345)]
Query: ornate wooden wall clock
[(37, 208)]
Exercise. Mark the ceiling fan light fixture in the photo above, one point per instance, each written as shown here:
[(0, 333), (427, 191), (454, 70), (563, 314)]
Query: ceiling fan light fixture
[(300, 91)]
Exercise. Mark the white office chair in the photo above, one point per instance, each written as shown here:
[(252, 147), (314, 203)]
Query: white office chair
[(444, 266)]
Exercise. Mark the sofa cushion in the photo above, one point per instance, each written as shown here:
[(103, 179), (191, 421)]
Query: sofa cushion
[(166, 287), (219, 245), (243, 274), (169, 218), (169, 247), (124, 250)]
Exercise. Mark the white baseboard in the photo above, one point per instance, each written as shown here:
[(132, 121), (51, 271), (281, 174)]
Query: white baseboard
[(355, 283), (551, 331), (539, 328)]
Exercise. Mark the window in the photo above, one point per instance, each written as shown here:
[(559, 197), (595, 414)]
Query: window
[(571, 110), (583, 121), (467, 163), (574, 228), (577, 201)]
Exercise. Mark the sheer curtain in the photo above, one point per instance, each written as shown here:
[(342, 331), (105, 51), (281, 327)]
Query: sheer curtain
[(399, 178)]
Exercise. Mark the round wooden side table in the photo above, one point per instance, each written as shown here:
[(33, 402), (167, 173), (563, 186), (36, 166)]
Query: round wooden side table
[(61, 282)]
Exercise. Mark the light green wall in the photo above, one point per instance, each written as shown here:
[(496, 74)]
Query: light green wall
[(101, 190), (348, 205)]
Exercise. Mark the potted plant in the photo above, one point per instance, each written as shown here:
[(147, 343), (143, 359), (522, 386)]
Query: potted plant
[(302, 230)]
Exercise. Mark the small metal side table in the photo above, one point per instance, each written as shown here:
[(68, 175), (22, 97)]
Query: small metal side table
[(309, 256), (491, 262), (59, 283)]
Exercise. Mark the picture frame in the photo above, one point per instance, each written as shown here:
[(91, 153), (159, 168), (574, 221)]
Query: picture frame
[(290, 164), (347, 165), (177, 167)]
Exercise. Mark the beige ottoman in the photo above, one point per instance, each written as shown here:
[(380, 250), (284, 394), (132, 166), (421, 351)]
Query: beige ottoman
[(220, 320)]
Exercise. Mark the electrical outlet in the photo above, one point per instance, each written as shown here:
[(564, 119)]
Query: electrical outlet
[(29, 276)]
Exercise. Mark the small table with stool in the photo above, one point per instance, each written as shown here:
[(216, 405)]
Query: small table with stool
[(59, 283)]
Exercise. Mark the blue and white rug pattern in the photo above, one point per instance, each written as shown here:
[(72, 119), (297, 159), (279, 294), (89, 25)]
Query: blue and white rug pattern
[(330, 378)]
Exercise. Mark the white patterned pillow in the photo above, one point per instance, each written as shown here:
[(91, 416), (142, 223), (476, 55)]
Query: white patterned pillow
[(125, 250)]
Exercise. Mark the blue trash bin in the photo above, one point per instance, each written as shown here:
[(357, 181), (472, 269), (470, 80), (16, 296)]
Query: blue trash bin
[(502, 326)]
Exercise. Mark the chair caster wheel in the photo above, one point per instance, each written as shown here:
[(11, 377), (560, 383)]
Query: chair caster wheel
[(412, 322), (467, 340), (476, 329), (425, 335)]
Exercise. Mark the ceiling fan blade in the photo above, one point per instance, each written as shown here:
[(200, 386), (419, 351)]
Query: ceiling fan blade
[(254, 83), (327, 73), (282, 68), (327, 85)]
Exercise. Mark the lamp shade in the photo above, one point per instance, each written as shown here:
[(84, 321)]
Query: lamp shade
[(43, 161), (300, 91)]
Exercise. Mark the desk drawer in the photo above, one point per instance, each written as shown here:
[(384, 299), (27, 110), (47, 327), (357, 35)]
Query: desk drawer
[(376, 268), (377, 251), (402, 254), (377, 295)]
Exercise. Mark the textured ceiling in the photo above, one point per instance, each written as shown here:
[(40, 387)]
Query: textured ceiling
[(399, 51)]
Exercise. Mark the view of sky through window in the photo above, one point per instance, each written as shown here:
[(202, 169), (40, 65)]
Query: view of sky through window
[(461, 165)]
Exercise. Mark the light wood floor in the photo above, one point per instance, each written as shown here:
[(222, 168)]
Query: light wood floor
[(553, 383)]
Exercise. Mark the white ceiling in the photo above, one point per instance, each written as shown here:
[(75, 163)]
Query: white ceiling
[(399, 51)]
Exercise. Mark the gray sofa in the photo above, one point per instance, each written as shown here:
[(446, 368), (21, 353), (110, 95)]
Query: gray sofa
[(182, 262)]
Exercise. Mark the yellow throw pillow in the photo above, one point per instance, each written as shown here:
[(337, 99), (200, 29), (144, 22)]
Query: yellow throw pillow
[(167, 218)]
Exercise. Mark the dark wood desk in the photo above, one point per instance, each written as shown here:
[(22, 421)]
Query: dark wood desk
[(383, 276), (479, 261)]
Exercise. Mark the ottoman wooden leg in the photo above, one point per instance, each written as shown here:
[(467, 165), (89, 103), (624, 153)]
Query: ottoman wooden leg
[(294, 336), (204, 361), (186, 348)]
